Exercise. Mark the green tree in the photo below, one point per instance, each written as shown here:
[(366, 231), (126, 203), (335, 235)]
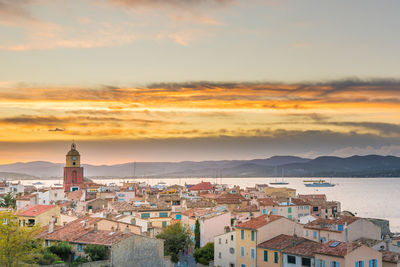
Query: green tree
[(8, 201), (176, 239), (61, 249), (205, 254), (96, 252), (17, 243), (197, 234)]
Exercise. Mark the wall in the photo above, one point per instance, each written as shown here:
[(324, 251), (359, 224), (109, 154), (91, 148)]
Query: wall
[(211, 227), (328, 260), (363, 253), (223, 244), (271, 256), (138, 251)]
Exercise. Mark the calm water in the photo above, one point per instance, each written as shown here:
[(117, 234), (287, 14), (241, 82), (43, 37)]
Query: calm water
[(367, 197)]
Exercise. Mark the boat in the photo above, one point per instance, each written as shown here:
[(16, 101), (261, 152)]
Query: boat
[(279, 183), (312, 181), (320, 184)]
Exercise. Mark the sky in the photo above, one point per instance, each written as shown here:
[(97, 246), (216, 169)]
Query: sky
[(174, 80)]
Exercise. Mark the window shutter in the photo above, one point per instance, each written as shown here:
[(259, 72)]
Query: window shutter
[(376, 262), (331, 263), (357, 264), (362, 263), (317, 263), (323, 263)]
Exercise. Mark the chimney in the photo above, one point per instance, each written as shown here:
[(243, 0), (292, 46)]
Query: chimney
[(387, 241), (127, 230), (64, 223), (51, 226), (346, 232), (95, 227)]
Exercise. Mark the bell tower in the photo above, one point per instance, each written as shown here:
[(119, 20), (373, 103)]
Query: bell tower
[(73, 172)]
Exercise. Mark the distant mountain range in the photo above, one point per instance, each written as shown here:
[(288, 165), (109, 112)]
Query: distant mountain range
[(277, 166)]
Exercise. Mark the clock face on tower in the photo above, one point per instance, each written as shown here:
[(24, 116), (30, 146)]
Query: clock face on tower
[(73, 158)]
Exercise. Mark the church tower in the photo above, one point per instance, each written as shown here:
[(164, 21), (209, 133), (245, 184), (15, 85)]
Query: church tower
[(73, 172)]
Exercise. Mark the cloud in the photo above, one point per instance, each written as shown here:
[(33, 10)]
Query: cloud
[(57, 130), (174, 3), (393, 150), (15, 11)]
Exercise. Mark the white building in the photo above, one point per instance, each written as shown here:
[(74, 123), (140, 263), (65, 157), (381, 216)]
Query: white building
[(224, 249)]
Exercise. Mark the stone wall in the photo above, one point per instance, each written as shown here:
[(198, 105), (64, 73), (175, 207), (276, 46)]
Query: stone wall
[(138, 251)]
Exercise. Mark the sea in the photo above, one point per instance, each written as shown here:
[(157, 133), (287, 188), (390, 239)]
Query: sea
[(365, 197)]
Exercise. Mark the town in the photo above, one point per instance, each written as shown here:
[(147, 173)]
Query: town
[(134, 224)]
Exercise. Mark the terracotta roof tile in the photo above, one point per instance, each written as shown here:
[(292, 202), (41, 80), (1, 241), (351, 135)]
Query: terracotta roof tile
[(341, 250), (389, 256), (202, 187), (35, 210), (267, 202), (259, 221)]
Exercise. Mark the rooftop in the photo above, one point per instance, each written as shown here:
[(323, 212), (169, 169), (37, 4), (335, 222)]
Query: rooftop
[(336, 248), (35, 210), (203, 186), (259, 221)]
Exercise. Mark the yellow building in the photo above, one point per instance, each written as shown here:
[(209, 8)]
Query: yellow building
[(40, 215), (257, 230), (280, 192)]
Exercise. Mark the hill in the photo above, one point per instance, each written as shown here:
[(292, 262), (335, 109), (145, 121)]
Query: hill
[(285, 166)]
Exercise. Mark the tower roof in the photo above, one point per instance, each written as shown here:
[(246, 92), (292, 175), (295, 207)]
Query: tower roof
[(73, 151)]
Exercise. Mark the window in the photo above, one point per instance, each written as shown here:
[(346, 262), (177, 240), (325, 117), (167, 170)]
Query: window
[(340, 227), (291, 259), (241, 251), (164, 224), (178, 216), (359, 263), (315, 208), (219, 240), (232, 237), (373, 263), (163, 214), (253, 253), (315, 234), (334, 264), (219, 255), (145, 215), (252, 235), (242, 234), (306, 232), (232, 250), (276, 257), (265, 255), (289, 210), (305, 262), (243, 265), (290, 217), (80, 247)]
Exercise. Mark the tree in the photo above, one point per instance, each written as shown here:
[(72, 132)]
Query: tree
[(17, 243), (205, 254), (96, 252), (197, 234), (61, 249), (8, 201), (176, 239)]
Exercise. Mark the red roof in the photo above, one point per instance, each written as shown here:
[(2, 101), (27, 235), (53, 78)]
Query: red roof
[(259, 221), (202, 187), (339, 249), (35, 210)]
